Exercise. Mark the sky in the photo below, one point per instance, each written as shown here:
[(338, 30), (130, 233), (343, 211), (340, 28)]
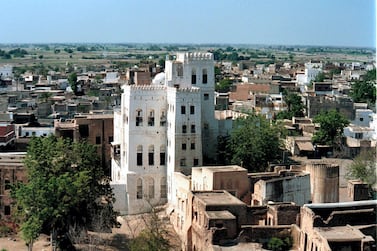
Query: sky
[(350, 23)]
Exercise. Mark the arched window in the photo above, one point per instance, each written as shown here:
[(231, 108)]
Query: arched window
[(139, 189), (163, 118), (139, 155), (163, 188), (204, 76), (179, 70), (150, 188), (139, 117), (151, 155), (162, 155), (193, 76), (182, 162), (151, 118)]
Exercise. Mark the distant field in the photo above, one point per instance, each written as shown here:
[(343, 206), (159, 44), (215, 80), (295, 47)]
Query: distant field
[(57, 55)]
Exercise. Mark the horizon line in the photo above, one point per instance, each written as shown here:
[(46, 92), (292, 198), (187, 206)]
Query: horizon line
[(190, 43)]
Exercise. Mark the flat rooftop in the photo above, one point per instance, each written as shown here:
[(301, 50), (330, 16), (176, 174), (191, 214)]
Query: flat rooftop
[(217, 198), (223, 215), (222, 168), (340, 234)]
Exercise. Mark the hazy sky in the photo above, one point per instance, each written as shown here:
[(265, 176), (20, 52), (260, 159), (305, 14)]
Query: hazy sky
[(285, 22)]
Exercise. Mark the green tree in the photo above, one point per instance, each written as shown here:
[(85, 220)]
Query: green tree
[(72, 80), (224, 85), (161, 62), (364, 167), (295, 107), (154, 237), (255, 142), (320, 77), (66, 187), (365, 90), (331, 128), (277, 244), (232, 56)]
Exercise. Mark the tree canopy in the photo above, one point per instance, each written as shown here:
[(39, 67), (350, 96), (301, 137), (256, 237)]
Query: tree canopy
[(72, 79), (331, 127), (66, 187), (363, 167), (254, 142), (224, 85), (155, 236), (320, 77), (365, 90), (295, 107)]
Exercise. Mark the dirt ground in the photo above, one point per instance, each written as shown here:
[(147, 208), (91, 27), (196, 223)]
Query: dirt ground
[(15, 243), (115, 241)]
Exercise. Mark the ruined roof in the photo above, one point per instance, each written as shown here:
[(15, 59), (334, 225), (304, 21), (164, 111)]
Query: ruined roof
[(340, 234)]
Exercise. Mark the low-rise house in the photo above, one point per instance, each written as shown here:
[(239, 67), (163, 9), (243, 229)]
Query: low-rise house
[(230, 178), (7, 134), (282, 214), (317, 104), (363, 117), (357, 190), (287, 186), (338, 226), (323, 88), (358, 138), (27, 131), (97, 129), (300, 146), (12, 170), (217, 218)]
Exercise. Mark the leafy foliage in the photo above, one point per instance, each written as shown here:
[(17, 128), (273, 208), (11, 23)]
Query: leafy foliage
[(295, 107), (66, 186), (72, 80), (154, 237), (363, 167), (331, 127), (224, 85), (365, 90), (255, 142), (320, 77), (277, 244)]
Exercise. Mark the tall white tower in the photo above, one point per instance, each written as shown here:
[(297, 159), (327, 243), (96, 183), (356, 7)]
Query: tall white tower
[(160, 129), (190, 85), (139, 162)]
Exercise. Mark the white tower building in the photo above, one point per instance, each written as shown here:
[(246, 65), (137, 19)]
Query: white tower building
[(160, 129), (312, 69)]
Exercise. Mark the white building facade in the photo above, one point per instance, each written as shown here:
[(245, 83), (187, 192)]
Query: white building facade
[(163, 128), (312, 69)]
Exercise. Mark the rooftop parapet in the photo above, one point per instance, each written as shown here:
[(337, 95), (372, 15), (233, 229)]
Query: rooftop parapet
[(194, 56), (147, 87)]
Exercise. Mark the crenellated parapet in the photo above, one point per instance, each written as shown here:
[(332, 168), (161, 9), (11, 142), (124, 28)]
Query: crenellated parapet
[(185, 89), (194, 56), (147, 87)]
